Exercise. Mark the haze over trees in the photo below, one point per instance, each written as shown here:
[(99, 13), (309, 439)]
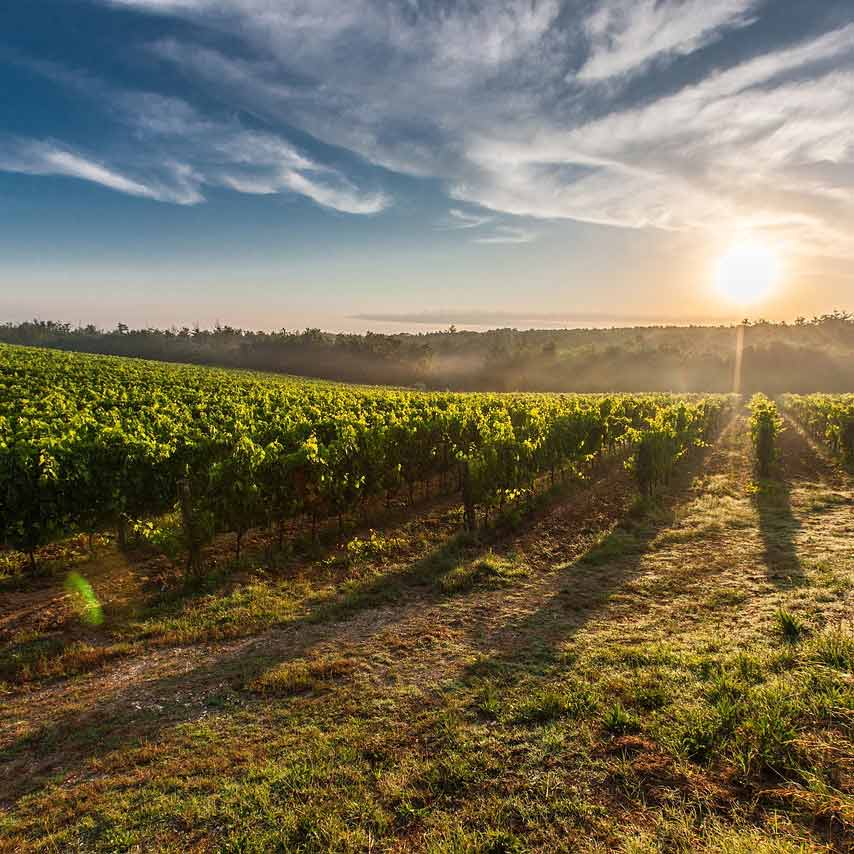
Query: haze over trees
[(804, 356)]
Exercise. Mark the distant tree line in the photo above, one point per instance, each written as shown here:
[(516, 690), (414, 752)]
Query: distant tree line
[(808, 355)]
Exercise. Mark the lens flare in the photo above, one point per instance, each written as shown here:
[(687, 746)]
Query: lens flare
[(85, 600)]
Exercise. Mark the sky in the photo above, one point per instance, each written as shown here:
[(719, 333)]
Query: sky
[(406, 165)]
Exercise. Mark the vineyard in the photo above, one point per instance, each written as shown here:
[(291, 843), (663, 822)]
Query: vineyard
[(765, 426), (828, 419), (90, 442), (247, 612)]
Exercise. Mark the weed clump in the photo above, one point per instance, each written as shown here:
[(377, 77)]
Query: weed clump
[(489, 571), (790, 626), (620, 721), (549, 704), (833, 647)]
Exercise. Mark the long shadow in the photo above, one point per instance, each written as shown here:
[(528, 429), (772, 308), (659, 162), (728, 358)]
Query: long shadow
[(170, 589), (75, 738), (424, 576), (798, 461), (532, 641), (778, 527), (170, 593), (119, 720)]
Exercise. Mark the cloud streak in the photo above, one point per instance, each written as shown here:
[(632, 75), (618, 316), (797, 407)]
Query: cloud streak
[(743, 145), (33, 157), (480, 317), (507, 234), (628, 35), (175, 153), (460, 220), (517, 107), (464, 219)]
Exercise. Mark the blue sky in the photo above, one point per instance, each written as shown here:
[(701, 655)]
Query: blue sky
[(370, 164)]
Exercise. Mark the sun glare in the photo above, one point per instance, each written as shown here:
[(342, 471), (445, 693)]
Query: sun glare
[(747, 272)]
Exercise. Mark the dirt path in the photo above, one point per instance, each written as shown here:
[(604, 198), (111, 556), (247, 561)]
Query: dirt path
[(143, 694)]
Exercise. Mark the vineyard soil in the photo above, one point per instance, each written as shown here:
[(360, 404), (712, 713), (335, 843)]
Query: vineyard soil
[(603, 674)]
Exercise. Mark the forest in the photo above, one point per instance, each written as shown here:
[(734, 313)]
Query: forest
[(808, 355)]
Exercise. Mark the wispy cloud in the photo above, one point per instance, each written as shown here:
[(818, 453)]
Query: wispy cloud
[(465, 219), (34, 157), (519, 107), (507, 234), (165, 5), (627, 35), (246, 161), (181, 152), (340, 198), (487, 229), (735, 146), (46, 159)]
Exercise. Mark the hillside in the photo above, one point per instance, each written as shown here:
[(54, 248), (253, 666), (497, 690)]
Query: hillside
[(805, 356), (597, 679)]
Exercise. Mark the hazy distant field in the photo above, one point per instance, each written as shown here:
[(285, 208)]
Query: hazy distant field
[(805, 356)]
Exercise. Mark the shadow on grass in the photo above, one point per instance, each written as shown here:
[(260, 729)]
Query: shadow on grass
[(132, 712), (158, 561), (533, 640), (778, 527), (422, 577), (800, 462), (437, 574), (137, 712)]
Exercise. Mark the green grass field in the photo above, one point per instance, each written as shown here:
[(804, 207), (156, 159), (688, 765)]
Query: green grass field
[(603, 674)]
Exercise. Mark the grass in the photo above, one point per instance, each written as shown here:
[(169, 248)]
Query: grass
[(488, 571), (572, 700), (54, 559), (584, 682), (835, 648), (790, 626), (619, 721), (229, 602), (244, 610), (37, 657), (295, 677)]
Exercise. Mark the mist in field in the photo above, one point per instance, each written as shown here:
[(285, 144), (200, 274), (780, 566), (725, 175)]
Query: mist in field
[(803, 356)]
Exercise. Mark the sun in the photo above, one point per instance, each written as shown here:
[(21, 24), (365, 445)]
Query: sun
[(748, 272)]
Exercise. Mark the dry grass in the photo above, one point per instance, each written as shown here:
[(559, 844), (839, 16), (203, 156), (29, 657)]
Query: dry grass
[(295, 677)]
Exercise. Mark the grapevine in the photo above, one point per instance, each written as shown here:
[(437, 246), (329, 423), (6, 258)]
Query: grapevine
[(92, 442)]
